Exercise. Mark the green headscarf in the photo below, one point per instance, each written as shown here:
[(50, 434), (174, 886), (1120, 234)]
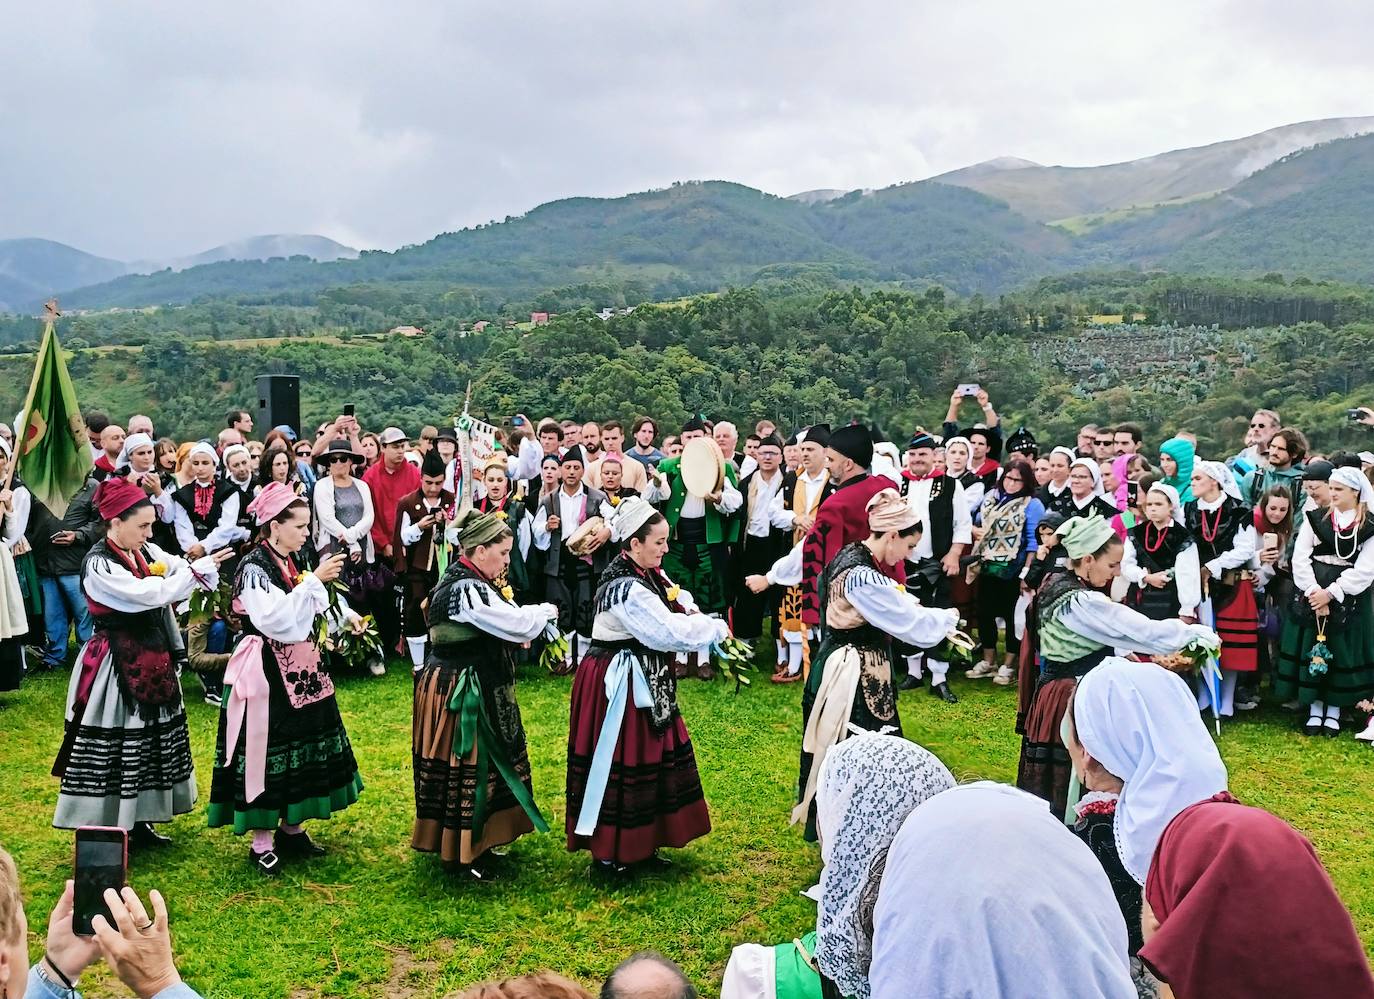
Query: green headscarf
[(1183, 452), (1085, 535), (481, 529)]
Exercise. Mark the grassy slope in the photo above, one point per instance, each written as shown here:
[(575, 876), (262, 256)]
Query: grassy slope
[(376, 918)]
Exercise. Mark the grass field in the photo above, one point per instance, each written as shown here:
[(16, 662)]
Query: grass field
[(374, 918)]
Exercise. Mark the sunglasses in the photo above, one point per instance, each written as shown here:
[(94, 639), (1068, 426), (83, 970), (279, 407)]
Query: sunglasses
[(340, 457), (1104, 441)]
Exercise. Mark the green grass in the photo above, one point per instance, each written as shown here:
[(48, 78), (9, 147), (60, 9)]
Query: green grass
[(375, 918)]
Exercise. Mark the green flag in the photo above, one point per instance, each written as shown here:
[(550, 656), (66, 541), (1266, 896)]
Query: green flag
[(54, 453)]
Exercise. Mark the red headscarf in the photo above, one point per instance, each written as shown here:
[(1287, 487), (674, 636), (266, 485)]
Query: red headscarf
[(115, 495), (1246, 909)]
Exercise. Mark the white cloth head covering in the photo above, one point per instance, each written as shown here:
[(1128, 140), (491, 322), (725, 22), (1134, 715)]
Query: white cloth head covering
[(750, 974), (868, 785), (1067, 452), (1176, 503), (988, 894), (1092, 466), (204, 447), (632, 514), (968, 450), (1141, 722), (1354, 479), (131, 444), (5, 446), (1220, 474)]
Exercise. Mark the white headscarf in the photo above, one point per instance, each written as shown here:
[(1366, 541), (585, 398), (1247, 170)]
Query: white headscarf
[(1141, 722), (204, 447), (1220, 474), (1354, 479), (632, 514), (1092, 466), (988, 894), (968, 448), (1176, 504), (131, 444), (868, 785)]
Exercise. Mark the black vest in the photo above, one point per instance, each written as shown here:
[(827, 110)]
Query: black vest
[(202, 526)]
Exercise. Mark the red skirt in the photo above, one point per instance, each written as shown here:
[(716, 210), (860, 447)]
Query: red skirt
[(653, 794), (1045, 766), (1238, 626)]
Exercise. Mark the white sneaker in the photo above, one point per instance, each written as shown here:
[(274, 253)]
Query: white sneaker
[(1005, 677), (377, 668), (981, 671)]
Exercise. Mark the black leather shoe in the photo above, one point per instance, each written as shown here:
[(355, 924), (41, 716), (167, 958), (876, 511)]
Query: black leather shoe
[(942, 691), (143, 834), (608, 870), (656, 862), (1310, 729), (910, 683), (295, 845), (267, 862)]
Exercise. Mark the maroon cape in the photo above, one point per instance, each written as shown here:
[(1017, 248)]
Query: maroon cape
[(841, 519)]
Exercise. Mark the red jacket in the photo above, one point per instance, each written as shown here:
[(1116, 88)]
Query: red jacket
[(841, 519), (388, 489)]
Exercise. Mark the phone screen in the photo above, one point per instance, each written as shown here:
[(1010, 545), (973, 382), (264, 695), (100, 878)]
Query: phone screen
[(348, 409), (100, 860)]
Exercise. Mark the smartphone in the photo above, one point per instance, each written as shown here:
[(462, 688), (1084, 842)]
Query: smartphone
[(1271, 541), (517, 421), (348, 409), (1354, 415), (968, 388), (102, 861)]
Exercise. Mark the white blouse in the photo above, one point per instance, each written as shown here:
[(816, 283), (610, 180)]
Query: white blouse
[(1187, 574), (1351, 582), (645, 618), (109, 582), (287, 616), (890, 608), (1117, 626), (497, 616), (1243, 549)]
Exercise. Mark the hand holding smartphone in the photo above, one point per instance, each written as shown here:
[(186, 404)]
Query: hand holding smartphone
[(102, 861)]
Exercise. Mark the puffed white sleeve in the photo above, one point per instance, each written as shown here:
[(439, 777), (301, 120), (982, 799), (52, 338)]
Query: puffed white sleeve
[(1303, 576), (1356, 579), (527, 460), (684, 598), (1094, 616), (963, 520), (1188, 578), (973, 497), (18, 520), (643, 615), (895, 611), (181, 526), (473, 602), (730, 498), (1131, 570), (227, 531), (285, 617), (205, 567), (1240, 553), (410, 534), (787, 571), (654, 493), (779, 516), (539, 530), (108, 582)]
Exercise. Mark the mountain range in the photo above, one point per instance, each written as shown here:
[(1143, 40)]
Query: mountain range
[(32, 269), (1298, 199)]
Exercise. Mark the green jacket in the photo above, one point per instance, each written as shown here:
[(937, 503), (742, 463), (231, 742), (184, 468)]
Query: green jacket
[(720, 528)]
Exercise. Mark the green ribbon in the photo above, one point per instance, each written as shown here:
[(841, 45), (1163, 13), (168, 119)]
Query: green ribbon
[(474, 729)]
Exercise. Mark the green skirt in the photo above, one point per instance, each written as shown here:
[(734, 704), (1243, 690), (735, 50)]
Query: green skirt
[(1349, 677), (30, 587)]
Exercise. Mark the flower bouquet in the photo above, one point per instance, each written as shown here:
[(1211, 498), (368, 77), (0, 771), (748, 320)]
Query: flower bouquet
[(1195, 655), (555, 655)]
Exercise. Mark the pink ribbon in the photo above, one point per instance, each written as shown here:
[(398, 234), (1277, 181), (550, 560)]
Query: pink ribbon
[(248, 703)]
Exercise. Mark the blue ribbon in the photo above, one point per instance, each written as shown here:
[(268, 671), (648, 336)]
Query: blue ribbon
[(624, 669)]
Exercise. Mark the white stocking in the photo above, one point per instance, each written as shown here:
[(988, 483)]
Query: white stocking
[(913, 665), (417, 652)]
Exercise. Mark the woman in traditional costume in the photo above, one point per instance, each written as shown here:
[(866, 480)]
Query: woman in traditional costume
[(1079, 626), (472, 770), (1223, 527), (986, 895), (1160, 560), (20, 589), (1326, 654), (1054, 493), (126, 757), (282, 755), (633, 785), (851, 682), (1237, 905), (205, 511), (1087, 498), (1142, 755), (868, 785)]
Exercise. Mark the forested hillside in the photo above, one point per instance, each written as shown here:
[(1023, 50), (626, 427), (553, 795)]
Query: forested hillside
[(886, 357)]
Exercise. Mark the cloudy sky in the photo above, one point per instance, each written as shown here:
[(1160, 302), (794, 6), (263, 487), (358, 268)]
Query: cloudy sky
[(146, 129)]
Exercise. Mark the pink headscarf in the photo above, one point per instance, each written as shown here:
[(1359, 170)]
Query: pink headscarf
[(1120, 471), (274, 498)]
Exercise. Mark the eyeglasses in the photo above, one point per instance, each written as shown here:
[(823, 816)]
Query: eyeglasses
[(1104, 441), (1011, 478)]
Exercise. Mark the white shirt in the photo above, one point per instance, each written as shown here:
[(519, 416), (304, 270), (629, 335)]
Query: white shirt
[(1350, 582), (410, 534), (918, 498), (768, 511), (694, 507), (1243, 549), (811, 487), (571, 516), (1187, 575)]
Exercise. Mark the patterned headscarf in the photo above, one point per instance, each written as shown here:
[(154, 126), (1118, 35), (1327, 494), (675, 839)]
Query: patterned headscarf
[(868, 785)]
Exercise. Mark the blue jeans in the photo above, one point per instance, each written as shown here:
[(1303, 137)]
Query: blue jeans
[(63, 603)]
